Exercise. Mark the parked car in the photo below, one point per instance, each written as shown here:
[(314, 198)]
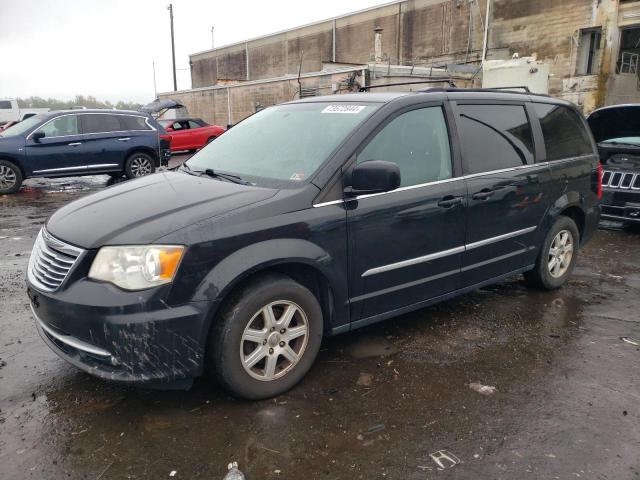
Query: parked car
[(81, 142), (617, 131), (273, 236), (190, 133)]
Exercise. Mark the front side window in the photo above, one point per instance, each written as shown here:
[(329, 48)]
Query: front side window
[(418, 142), (194, 124), (61, 126), (495, 137), (284, 144), (563, 132), (100, 123)]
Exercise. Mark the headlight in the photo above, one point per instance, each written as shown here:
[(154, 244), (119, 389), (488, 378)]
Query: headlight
[(137, 267)]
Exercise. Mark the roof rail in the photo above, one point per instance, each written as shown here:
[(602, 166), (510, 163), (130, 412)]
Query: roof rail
[(493, 89), (444, 80)]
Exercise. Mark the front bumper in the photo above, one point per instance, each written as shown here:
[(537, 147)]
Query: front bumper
[(126, 343), (621, 206)]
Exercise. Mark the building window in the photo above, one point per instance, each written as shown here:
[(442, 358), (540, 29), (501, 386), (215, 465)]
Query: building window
[(629, 50), (589, 52)]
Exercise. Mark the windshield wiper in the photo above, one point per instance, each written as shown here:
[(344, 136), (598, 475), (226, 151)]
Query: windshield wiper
[(227, 176), (209, 172)]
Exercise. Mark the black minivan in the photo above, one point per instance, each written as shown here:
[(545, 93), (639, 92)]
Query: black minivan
[(312, 218)]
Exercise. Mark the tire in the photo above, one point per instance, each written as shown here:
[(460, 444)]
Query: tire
[(231, 343), (139, 164), (550, 275), (10, 177), (209, 140)]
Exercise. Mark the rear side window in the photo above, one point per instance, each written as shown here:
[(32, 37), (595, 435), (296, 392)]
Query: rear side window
[(495, 137), (563, 131), (130, 122), (100, 123), (418, 142), (5, 105)]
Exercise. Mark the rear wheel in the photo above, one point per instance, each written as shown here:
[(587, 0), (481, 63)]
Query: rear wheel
[(209, 140), (10, 177), (139, 165), (557, 257), (266, 338)]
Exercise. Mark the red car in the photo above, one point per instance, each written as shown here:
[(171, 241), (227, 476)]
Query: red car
[(190, 133)]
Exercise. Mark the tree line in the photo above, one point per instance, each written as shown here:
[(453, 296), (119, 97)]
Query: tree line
[(79, 101)]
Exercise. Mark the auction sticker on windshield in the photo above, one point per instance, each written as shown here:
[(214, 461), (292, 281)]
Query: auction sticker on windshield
[(344, 109)]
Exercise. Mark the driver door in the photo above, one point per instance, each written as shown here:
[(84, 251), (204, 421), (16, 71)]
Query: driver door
[(406, 245), (61, 151)]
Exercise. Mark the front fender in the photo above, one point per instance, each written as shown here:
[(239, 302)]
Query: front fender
[(258, 256)]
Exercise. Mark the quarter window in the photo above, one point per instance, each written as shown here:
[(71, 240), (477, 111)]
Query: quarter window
[(100, 123), (61, 126), (495, 137), (563, 132), (418, 142)]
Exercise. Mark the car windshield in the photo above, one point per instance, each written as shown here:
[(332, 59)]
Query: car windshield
[(23, 126), (282, 144)]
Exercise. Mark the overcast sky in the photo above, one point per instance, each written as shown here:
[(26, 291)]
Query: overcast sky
[(105, 48)]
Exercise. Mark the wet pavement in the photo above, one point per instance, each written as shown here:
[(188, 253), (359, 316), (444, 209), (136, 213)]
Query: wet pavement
[(389, 401)]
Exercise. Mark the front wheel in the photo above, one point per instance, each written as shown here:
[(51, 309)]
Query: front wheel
[(10, 177), (557, 257), (139, 165), (266, 338)]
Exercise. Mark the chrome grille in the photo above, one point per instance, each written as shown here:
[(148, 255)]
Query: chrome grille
[(51, 261), (621, 180)]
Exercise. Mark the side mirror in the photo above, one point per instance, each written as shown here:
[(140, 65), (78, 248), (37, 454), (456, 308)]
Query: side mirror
[(169, 129), (37, 136), (374, 176)]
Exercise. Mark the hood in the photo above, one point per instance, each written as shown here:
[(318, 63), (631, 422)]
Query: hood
[(615, 122), (143, 210)]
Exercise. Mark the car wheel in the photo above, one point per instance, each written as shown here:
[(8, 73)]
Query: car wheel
[(139, 165), (557, 257), (209, 140), (266, 338), (10, 177)]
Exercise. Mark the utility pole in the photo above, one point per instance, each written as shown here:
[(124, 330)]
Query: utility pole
[(155, 90), (212, 44), (486, 33), (173, 49)]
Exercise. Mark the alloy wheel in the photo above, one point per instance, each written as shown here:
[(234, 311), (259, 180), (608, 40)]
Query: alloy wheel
[(274, 340), (8, 177), (560, 253), (140, 166)]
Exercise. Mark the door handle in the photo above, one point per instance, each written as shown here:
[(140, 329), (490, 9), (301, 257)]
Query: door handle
[(75, 144), (125, 139), (450, 201), (483, 194)]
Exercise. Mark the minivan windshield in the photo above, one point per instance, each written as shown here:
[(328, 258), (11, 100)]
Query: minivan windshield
[(23, 126), (283, 144)]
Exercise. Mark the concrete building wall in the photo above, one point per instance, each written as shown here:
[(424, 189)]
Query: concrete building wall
[(426, 33), (414, 32)]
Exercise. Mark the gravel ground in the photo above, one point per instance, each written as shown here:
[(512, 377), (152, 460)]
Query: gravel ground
[(405, 399)]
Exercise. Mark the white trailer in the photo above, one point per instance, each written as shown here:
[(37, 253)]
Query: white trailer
[(10, 111)]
